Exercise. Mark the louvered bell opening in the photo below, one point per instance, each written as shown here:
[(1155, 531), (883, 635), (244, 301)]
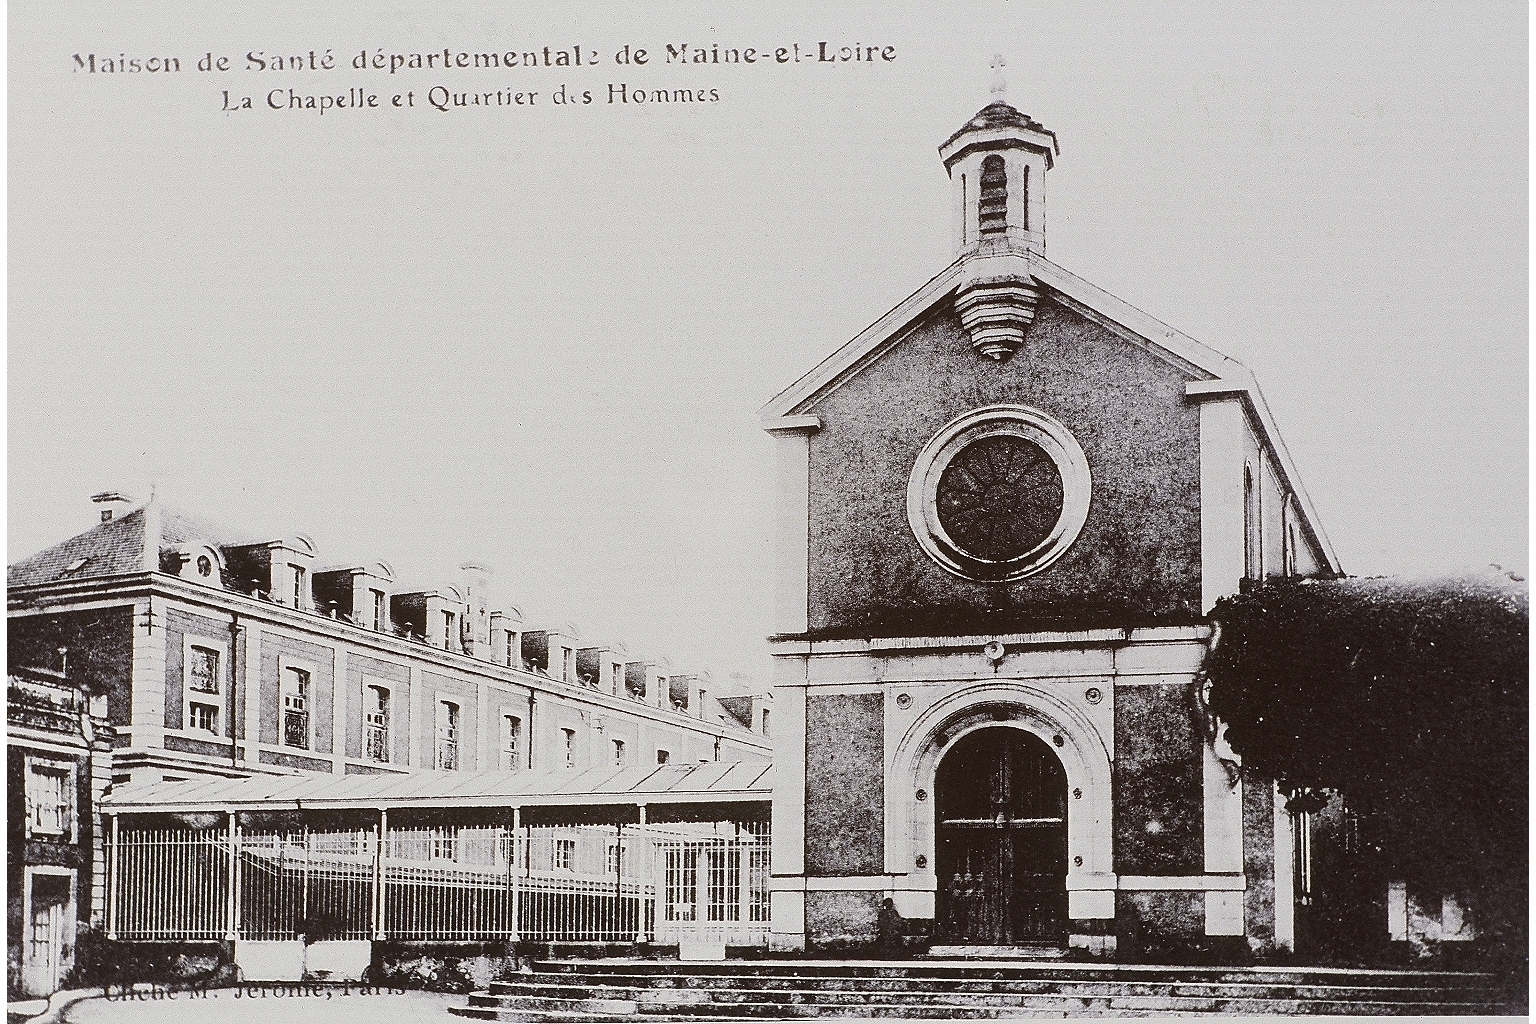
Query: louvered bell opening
[(992, 211)]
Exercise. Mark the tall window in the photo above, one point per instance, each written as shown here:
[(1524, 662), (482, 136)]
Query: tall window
[(992, 213), (447, 735), (568, 664), (1024, 198), (766, 731), (447, 630), (50, 799), (512, 649), (1253, 566), (299, 576), (376, 723), (296, 691), (380, 616), (205, 681), (511, 742), (570, 747), (618, 753), (565, 855), (618, 677), (1290, 548)]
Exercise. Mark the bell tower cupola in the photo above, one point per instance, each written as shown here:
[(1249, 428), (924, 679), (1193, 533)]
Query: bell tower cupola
[(997, 163)]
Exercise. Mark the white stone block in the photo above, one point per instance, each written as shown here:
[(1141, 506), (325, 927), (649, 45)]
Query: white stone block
[(1397, 911), (1223, 913), (701, 949), (1084, 904), (913, 903), (270, 960), (338, 960)]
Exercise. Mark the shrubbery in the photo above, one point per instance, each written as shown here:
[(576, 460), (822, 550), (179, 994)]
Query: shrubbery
[(1410, 699)]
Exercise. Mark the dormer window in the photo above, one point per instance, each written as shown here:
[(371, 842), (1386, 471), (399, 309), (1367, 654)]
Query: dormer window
[(447, 630), (380, 613), (992, 214), (300, 579)]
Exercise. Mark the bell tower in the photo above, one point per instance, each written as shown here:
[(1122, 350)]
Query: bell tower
[(996, 164)]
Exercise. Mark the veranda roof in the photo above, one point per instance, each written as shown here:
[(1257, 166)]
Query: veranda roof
[(711, 782)]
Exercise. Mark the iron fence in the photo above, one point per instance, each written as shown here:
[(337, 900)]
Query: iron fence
[(566, 884)]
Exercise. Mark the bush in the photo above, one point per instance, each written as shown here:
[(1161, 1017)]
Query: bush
[(1408, 698)]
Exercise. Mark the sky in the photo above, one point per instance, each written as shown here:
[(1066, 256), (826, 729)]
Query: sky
[(537, 336)]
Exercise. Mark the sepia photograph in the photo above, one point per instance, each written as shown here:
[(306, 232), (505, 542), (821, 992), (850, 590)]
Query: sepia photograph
[(541, 512)]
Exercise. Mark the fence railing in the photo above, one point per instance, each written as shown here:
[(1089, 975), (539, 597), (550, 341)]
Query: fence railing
[(571, 884)]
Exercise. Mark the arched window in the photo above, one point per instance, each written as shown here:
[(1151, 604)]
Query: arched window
[(992, 213), (1290, 542), (1252, 557)]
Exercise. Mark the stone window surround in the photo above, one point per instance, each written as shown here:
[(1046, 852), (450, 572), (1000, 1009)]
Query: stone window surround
[(189, 695), (55, 766), (284, 664), (388, 687), (1021, 421)]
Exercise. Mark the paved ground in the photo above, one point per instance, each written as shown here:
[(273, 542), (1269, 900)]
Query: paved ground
[(271, 1004)]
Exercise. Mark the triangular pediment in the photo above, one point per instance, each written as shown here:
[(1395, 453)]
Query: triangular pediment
[(1210, 374)]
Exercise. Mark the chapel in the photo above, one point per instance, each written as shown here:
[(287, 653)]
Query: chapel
[(1004, 511)]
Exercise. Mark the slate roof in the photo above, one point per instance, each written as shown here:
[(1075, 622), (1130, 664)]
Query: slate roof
[(125, 544), (109, 548), (707, 782), (999, 115)]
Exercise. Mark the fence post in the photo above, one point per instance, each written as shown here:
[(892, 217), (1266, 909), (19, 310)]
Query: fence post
[(517, 814), (743, 878), (116, 869), (642, 871), (234, 860), (380, 831), (304, 882)]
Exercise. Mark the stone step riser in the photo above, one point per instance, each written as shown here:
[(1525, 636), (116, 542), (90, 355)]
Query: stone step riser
[(598, 973), (530, 1017), (1073, 1008), (848, 988), (993, 1006), (727, 999)]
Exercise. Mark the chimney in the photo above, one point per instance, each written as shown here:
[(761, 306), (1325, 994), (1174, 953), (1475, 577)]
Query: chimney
[(111, 504)]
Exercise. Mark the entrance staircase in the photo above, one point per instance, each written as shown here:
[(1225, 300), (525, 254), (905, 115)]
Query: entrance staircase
[(624, 990)]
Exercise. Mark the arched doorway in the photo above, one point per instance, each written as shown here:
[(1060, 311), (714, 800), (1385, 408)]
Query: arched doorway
[(1001, 800)]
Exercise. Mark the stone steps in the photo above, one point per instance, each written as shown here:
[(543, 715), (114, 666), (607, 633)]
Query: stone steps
[(741, 970), (613, 990), (781, 988)]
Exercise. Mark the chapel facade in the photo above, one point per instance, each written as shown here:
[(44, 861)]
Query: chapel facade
[(1004, 511)]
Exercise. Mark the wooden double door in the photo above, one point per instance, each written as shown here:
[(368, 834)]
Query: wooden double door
[(1001, 798)]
